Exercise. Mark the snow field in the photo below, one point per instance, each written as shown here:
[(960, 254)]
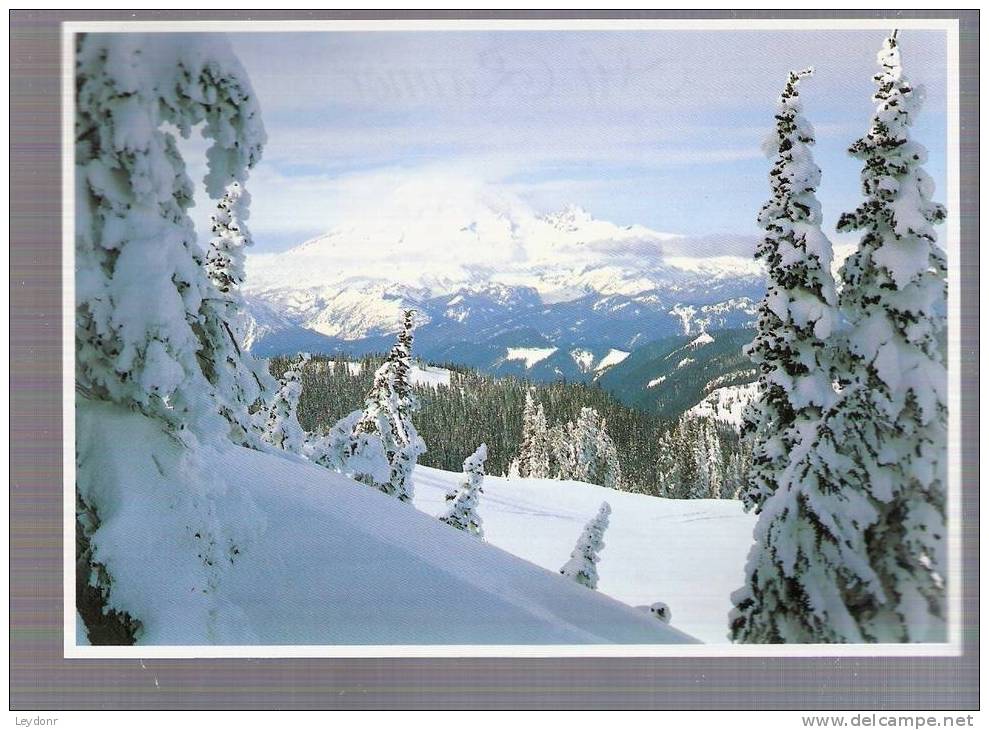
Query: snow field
[(689, 554)]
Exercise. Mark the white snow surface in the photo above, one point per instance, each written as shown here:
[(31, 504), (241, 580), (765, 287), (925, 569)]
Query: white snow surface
[(702, 339), (689, 554), (429, 375), (233, 546), (529, 355), (419, 374), (612, 358), (726, 403), (656, 381), (583, 358)]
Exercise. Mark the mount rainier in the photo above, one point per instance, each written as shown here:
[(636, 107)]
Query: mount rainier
[(496, 286)]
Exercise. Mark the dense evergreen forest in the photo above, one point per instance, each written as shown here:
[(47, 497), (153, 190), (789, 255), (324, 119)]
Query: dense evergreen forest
[(453, 420)]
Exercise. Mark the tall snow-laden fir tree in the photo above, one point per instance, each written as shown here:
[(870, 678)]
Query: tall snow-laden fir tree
[(807, 575), (150, 334), (280, 419), (583, 450), (527, 444), (246, 380), (708, 458), (894, 295), (797, 315), (609, 467), (146, 335), (541, 455), (387, 419), (534, 451), (582, 566), (462, 503), (225, 255), (849, 548), (584, 435)]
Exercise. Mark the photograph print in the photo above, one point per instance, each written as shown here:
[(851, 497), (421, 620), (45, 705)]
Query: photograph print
[(480, 339)]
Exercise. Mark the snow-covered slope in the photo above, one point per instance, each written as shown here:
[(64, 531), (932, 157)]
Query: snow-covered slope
[(234, 546), (689, 554), (727, 404)]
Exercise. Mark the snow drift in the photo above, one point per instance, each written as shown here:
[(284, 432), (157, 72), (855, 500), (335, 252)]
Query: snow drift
[(687, 553), (226, 545)]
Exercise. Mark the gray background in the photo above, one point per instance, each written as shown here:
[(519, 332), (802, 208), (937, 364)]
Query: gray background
[(40, 679)]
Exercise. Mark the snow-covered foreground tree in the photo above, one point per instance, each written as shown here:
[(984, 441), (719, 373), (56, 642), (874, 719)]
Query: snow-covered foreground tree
[(462, 510), (798, 313), (894, 296), (385, 426), (151, 330), (582, 566), (146, 334), (279, 420), (849, 547)]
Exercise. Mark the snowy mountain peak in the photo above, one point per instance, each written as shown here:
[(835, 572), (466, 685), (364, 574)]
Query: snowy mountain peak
[(570, 219), (486, 255)]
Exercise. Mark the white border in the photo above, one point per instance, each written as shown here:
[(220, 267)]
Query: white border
[(953, 248)]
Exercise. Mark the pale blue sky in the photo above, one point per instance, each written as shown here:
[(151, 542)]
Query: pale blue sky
[(660, 128)]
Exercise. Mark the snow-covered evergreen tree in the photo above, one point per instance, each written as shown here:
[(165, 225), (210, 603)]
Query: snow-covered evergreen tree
[(333, 450), (584, 436), (387, 418), (462, 503), (583, 451), (894, 295), (151, 332), (527, 444), (541, 454), (246, 380), (535, 448), (673, 471), (797, 315), (563, 446), (711, 463), (146, 335), (225, 255), (582, 566), (704, 457), (280, 419), (848, 549), (609, 467)]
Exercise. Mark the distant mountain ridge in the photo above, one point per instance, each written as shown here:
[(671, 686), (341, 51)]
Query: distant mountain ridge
[(672, 375), (496, 287)]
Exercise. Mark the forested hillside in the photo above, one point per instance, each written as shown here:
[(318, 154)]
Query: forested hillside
[(671, 375), (474, 408)]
